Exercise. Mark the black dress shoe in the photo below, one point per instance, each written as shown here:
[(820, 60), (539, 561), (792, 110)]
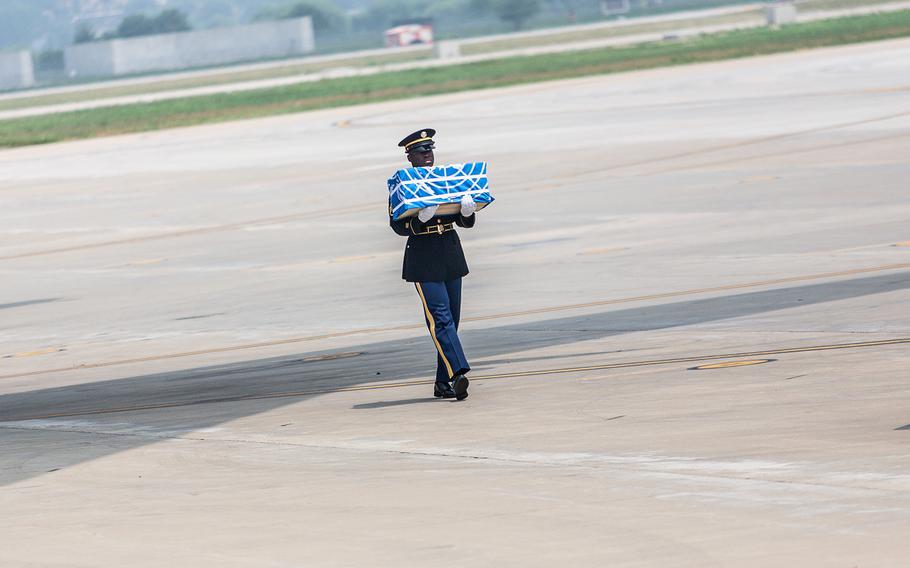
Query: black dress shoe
[(461, 387), (443, 390)]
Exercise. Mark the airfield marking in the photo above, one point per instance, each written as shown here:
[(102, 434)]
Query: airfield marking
[(780, 153), (734, 145), (648, 363), (35, 353), (196, 231), (405, 327), (731, 364), (497, 376), (607, 250), (331, 356), (758, 179), (146, 262), (785, 280), (350, 259)]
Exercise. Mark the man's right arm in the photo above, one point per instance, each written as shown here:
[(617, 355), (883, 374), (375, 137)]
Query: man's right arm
[(413, 225), (407, 227)]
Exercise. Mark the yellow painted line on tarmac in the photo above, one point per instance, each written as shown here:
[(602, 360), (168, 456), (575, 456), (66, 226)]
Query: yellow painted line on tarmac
[(350, 259), (731, 364), (502, 315), (693, 291), (606, 250), (332, 356), (474, 378), (758, 179), (835, 346), (34, 353), (195, 231), (887, 90), (146, 262), (764, 140), (210, 351), (779, 153)]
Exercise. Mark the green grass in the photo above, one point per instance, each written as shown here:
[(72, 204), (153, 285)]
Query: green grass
[(823, 5), (608, 32), (421, 82)]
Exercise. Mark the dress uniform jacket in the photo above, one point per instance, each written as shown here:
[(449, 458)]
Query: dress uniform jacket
[(433, 257)]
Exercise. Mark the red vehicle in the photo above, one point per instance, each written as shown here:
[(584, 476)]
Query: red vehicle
[(409, 34)]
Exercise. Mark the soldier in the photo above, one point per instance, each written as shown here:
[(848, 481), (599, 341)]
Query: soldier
[(435, 263)]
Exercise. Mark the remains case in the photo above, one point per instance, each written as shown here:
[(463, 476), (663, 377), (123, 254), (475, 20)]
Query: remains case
[(412, 189)]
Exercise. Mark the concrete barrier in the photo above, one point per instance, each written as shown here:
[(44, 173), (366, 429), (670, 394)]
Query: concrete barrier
[(185, 50), (16, 70), (780, 13), (447, 49)]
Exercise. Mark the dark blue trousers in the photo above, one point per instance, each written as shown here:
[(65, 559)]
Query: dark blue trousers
[(442, 310)]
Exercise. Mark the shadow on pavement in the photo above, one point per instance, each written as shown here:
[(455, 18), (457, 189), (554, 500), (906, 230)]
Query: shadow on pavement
[(28, 303), (386, 360), (388, 403)]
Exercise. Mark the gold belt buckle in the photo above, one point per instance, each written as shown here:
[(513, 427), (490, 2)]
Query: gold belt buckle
[(438, 229)]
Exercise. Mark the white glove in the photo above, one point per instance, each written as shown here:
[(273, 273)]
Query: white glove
[(427, 213), (467, 206)]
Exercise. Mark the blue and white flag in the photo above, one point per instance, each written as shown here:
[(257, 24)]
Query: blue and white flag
[(411, 189)]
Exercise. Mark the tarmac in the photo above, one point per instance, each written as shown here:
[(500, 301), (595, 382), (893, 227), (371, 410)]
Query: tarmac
[(687, 317)]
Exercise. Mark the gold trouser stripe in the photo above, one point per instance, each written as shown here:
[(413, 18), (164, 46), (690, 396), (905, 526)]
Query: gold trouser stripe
[(432, 322)]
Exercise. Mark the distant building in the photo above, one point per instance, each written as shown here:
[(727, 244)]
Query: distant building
[(618, 7), (614, 7), (187, 50)]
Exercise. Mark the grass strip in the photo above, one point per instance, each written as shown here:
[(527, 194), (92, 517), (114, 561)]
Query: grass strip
[(415, 83), (607, 33), (822, 5)]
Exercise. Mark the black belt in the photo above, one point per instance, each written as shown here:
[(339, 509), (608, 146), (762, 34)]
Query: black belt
[(437, 229)]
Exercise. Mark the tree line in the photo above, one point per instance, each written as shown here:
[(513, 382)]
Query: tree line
[(328, 17), (168, 21)]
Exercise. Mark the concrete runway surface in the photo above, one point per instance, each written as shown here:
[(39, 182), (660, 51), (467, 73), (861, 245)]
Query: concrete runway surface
[(209, 359)]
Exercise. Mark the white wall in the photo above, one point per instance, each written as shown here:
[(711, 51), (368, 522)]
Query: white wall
[(90, 59), (184, 50), (16, 70)]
